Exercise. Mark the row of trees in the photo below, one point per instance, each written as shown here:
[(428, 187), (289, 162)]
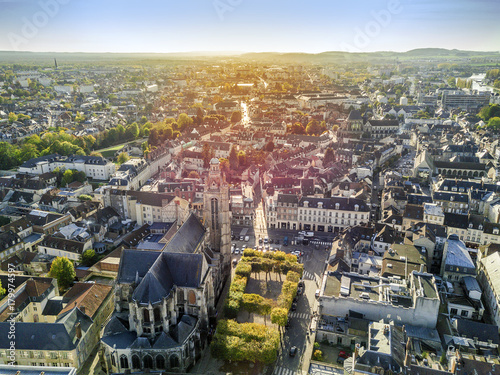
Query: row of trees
[(314, 127)]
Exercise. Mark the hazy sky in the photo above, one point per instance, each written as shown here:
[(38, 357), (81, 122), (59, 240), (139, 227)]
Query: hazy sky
[(248, 25)]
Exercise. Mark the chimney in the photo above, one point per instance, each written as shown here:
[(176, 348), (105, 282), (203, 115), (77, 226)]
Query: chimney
[(78, 330), (421, 268)]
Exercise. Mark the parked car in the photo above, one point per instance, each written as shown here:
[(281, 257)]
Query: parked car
[(271, 240), (301, 284), (317, 293), (343, 354), (294, 306), (293, 351)]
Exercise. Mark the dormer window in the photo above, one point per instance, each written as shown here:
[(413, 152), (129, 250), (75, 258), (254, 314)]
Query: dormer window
[(480, 227), (470, 225), (306, 203), (495, 231), (356, 207), (337, 206), (320, 204), (446, 188)]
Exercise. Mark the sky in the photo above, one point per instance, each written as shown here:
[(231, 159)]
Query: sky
[(311, 26)]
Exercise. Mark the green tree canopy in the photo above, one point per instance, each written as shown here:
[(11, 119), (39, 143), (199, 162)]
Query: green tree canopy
[(122, 158), (63, 271), (89, 257)]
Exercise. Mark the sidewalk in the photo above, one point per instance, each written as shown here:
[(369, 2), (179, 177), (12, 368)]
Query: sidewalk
[(309, 344)]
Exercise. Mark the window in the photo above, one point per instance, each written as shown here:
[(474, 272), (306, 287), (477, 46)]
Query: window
[(464, 313)]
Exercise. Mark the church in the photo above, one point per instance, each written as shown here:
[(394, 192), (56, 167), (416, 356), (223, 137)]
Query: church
[(164, 301)]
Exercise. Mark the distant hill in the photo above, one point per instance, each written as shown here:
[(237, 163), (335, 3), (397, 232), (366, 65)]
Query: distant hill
[(291, 57)]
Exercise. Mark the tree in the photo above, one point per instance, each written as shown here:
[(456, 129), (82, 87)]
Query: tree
[(233, 158), (193, 174), (269, 147), (335, 128), (2, 290), (329, 156), (67, 177), (315, 128), (297, 128), (242, 158), (224, 165), (279, 316), (236, 117), (4, 220), (63, 270), (28, 151), (12, 117), (154, 138), (494, 123), (207, 154), (84, 197), (132, 131), (88, 257), (122, 158), (184, 121)]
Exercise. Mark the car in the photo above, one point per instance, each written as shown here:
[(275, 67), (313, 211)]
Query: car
[(237, 250), (301, 284), (266, 240), (260, 241), (294, 300), (235, 262), (271, 240), (294, 306), (233, 237), (277, 242), (293, 351), (317, 293), (343, 354), (247, 238), (242, 238), (300, 291)]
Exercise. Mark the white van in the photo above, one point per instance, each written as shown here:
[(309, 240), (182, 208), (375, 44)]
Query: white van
[(247, 238)]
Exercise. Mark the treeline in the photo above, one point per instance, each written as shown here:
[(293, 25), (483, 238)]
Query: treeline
[(314, 127), (494, 76), (57, 141)]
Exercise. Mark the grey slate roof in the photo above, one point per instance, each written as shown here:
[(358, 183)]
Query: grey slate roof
[(458, 255), (184, 270), (135, 262), (187, 238), (37, 336)]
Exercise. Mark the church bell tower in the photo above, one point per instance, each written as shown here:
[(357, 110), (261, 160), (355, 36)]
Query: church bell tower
[(216, 213)]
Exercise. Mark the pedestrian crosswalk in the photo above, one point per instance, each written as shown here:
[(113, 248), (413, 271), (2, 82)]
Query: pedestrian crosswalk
[(321, 243), (279, 370), (308, 275), (299, 315)]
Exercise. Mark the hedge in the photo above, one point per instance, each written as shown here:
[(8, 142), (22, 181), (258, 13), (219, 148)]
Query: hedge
[(246, 341)]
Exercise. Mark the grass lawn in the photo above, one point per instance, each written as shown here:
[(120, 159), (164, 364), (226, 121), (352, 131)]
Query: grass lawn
[(110, 151)]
